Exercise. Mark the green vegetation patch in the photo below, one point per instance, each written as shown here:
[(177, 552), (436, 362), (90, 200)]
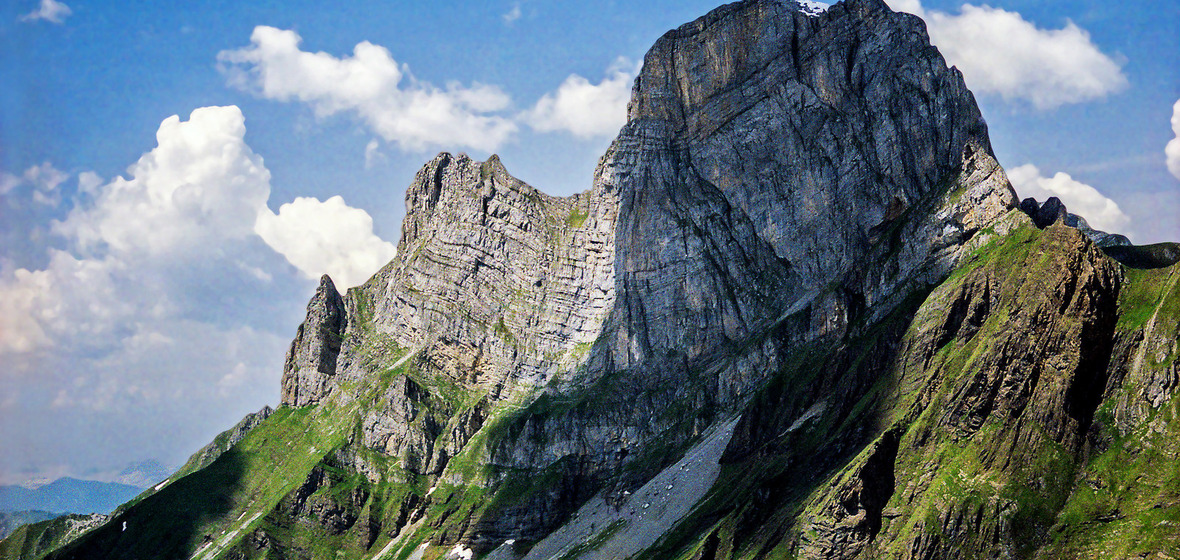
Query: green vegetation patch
[(1144, 292), (577, 217), (195, 512)]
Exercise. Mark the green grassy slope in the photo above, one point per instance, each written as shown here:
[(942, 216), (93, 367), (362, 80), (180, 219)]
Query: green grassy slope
[(211, 508), (1026, 412), (35, 540)]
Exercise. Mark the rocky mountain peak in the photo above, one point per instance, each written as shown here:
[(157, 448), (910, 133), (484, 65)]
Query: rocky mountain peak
[(795, 314), (802, 149), (778, 167), (311, 359)]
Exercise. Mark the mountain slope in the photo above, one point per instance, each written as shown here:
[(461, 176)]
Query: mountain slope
[(35, 540), (9, 521), (1011, 419), (796, 315)]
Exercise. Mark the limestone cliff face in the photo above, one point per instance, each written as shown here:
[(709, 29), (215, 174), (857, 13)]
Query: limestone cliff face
[(311, 360), (497, 282), (768, 167), (766, 159), (777, 168)]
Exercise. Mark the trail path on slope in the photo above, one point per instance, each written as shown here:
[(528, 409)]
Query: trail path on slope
[(601, 531)]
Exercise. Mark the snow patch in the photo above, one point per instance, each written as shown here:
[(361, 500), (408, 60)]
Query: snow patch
[(461, 553), (812, 8)]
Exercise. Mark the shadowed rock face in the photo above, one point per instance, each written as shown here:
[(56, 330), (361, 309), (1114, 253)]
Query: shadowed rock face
[(770, 155), (311, 360)]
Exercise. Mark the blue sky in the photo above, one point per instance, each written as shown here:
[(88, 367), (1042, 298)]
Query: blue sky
[(153, 269)]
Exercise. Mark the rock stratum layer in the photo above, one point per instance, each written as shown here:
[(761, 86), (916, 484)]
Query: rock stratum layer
[(796, 315)]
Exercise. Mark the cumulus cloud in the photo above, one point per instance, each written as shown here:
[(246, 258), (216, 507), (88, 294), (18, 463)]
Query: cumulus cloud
[(190, 206), (201, 185), (88, 183), (1172, 150), (49, 10), (158, 300), (326, 237), (1001, 53), (45, 178), (909, 6), (199, 190), (371, 85), (73, 300), (585, 109), (1101, 212)]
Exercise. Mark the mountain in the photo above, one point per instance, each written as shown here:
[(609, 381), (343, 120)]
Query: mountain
[(33, 538), (10, 520), (67, 495), (797, 314), (143, 474)]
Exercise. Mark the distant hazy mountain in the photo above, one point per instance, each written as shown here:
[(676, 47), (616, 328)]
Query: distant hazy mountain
[(67, 495), (144, 474)]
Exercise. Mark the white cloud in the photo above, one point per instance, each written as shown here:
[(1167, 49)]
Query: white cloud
[(8, 181), (373, 86), (163, 316), (44, 178), (326, 237), (1102, 213), (72, 300), (200, 186), (512, 15), (373, 154), (88, 183), (1173, 148), (186, 215), (1001, 53), (585, 109), (49, 10), (189, 199), (910, 6)]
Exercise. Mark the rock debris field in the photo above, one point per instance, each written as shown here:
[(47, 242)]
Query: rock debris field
[(601, 530)]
